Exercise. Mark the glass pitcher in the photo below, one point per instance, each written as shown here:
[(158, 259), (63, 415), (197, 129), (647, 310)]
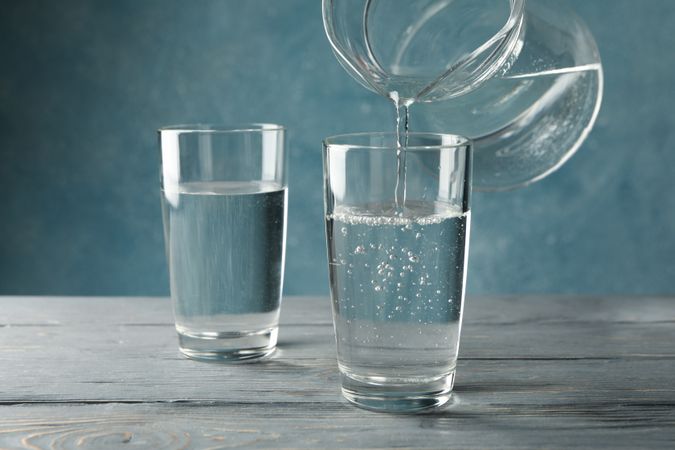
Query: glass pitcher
[(522, 78)]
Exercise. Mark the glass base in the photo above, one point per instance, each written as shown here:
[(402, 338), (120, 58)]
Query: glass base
[(398, 398), (228, 346)]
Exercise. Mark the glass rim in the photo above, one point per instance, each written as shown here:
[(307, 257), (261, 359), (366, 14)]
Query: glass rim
[(333, 142), (220, 128)]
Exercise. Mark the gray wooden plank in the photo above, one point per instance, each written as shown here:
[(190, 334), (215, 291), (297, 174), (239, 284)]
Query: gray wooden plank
[(139, 378), (335, 425), (549, 384), (137, 361), (478, 342), (501, 310), (522, 330), (524, 341), (79, 371)]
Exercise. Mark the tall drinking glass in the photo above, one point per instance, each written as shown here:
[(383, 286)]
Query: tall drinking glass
[(397, 264), (224, 209)]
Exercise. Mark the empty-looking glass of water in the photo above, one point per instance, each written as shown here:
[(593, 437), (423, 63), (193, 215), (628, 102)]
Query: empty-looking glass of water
[(521, 78)]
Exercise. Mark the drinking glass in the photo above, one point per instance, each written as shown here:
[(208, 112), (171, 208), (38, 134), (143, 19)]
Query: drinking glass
[(397, 267), (224, 209)]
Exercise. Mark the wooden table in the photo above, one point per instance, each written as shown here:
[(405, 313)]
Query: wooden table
[(534, 372)]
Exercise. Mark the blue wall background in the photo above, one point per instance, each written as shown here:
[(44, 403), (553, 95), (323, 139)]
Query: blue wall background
[(83, 86)]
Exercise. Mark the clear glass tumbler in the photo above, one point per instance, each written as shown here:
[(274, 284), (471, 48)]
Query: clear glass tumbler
[(397, 267), (224, 208)]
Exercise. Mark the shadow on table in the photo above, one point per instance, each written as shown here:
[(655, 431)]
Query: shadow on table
[(292, 344)]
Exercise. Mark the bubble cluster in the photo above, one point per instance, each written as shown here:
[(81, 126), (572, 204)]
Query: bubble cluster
[(428, 214), (394, 278)]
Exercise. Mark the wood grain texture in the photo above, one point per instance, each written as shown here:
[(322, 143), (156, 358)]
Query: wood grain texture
[(555, 372)]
